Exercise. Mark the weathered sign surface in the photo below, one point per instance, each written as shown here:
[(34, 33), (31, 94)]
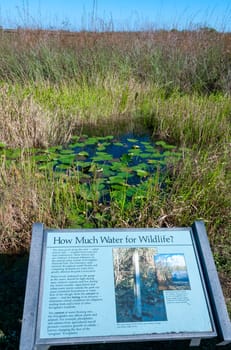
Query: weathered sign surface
[(116, 285)]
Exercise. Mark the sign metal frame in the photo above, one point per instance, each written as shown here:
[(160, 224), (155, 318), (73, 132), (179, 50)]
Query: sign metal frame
[(30, 333)]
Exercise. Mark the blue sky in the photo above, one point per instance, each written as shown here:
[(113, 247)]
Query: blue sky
[(124, 14)]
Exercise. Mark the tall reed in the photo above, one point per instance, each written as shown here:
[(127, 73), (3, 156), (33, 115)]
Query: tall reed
[(188, 61)]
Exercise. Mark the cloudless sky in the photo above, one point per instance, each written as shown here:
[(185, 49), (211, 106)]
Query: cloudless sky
[(124, 14)]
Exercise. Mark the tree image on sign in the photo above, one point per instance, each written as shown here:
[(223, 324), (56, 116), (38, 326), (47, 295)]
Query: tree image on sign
[(171, 272), (137, 294)]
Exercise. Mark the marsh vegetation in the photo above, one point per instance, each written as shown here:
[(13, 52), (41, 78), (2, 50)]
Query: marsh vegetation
[(58, 89)]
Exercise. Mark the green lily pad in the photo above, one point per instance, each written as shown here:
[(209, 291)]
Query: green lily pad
[(109, 137), (48, 166), (41, 158), (68, 159), (54, 148), (76, 145), (119, 144), (126, 158), (75, 138), (142, 166), (133, 140), (135, 152), (101, 156), (83, 154), (116, 180), (142, 173), (66, 151), (101, 148), (157, 155), (82, 163), (149, 148), (146, 155), (124, 174), (62, 167), (91, 141), (164, 145), (115, 188), (167, 153), (160, 143), (153, 161), (107, 170), (116, 166)]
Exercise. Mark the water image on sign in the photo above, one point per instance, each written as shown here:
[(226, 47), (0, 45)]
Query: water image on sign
[(171, 272), (137, 295)]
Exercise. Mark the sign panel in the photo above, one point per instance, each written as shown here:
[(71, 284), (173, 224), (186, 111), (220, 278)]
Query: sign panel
[(115, 283)]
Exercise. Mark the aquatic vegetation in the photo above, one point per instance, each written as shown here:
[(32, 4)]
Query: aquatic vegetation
[(110, 163)]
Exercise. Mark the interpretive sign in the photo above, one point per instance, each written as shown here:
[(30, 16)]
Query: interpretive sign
[(114, 285)]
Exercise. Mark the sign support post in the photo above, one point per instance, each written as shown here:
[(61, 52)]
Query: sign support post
[(32, 290), (213, 284)]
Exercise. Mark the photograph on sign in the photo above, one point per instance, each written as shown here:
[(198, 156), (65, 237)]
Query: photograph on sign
[(171, 272), (137, 293), (102, 283)]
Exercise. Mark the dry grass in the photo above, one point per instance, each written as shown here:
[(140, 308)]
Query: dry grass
[(24, 123), (188, 60)]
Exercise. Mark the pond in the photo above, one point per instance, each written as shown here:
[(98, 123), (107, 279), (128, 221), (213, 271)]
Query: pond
[(111, 163)]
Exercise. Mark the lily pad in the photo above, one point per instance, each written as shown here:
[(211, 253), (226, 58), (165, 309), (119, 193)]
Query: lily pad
[(119, 144), (142, 166), (83, 154), (68, 159), (126, 158), (66, 151), (133, 140), (62, 167), (146, 155), (76, 145), (101, 156), (117, 179), (109, 137), (48, 166), (135, 152), (142, 173), (164, 145), (41, 158), (107, 170), (101, 148), (153, 161), (91, 141)]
